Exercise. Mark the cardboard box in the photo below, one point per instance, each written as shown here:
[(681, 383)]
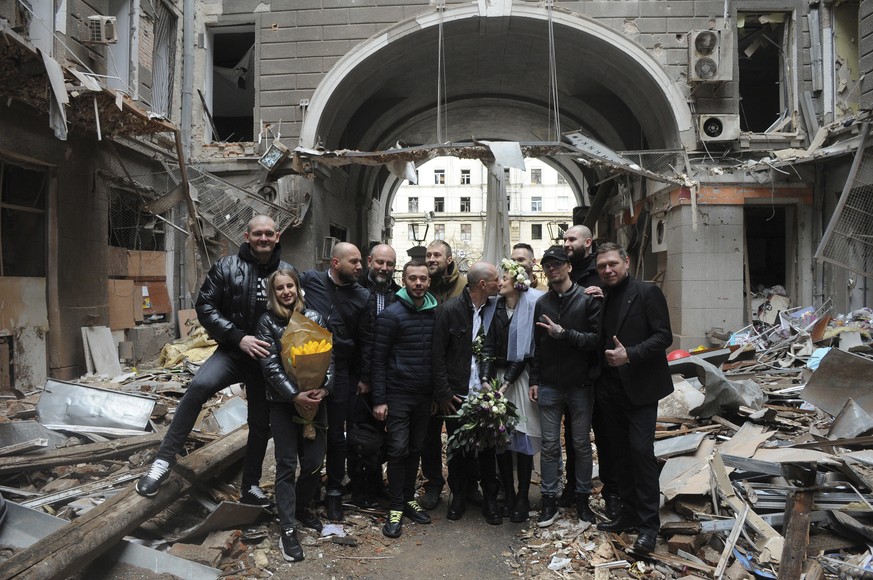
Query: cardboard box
[(123, 303), (124, 263)]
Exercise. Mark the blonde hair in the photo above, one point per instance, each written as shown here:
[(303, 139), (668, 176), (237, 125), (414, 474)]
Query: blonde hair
[(273, 303)]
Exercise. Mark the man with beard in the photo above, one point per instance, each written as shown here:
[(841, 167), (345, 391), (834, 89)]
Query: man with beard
[(231, 301), (337, 296), (403, 389), (378, 279), (579, 245), (445, 279), (445, 283), (634, 337)]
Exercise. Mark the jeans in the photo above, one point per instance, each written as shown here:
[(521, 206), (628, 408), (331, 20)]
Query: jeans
[(219, 371), (580, 402), (406, 425), (290, 445)]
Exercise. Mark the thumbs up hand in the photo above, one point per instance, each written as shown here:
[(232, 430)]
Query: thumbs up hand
[(618, 356)]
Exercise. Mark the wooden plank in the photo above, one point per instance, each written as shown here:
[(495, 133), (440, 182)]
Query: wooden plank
[(770, 543), (158, 299), (88, 453), (103, 350), (24, 447), (70, 549), (6, 385), (797, 516)]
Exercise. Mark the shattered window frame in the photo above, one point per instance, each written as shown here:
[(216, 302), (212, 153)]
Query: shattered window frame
[(23, 253), (132, 227), (759, 33)]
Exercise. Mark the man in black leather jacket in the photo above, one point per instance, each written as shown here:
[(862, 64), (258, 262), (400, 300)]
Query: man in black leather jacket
[(566, 332), (231, 301)]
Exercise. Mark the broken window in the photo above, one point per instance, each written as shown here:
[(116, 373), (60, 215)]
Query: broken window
[(231, 96), (465, 204), (762, 45), (439, 204), (23, 203), (130, 227), (163, 59), (412, 205)]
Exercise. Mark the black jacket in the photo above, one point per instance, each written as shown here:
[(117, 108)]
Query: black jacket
[(233, 296), (280, 387), (496, 345), (344, 309), (584, 271), (643, 328), (402, 342), (571, 360), (390, 298), (453, 346)]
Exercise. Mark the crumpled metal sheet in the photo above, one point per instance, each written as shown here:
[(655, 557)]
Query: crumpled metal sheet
[(840, 376), (62, 405), (722, 395), (851, 422)]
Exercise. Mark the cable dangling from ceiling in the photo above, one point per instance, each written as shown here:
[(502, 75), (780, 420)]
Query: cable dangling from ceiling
[(442, 127), (554, 107)]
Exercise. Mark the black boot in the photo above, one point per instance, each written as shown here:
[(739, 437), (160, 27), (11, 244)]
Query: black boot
[(456, 507), (568, 496), (333, 507), (520, 511), (583, 510), (491, 510), (548, 512), (612, 506)]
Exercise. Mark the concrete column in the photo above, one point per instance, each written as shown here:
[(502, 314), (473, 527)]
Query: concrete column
[(704, 284)]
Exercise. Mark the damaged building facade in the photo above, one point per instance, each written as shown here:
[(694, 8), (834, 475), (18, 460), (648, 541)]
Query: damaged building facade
[(713, 138)]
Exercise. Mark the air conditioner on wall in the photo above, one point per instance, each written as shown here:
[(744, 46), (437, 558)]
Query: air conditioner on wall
[(709, 56), (101, 30), (718, 127)]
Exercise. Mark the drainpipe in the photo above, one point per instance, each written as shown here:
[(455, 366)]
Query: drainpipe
[(186, 122)]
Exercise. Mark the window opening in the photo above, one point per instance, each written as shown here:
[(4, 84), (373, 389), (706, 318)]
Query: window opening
[(439, 204), (233, 84), (761, 42), (465, 204), (23, 202)]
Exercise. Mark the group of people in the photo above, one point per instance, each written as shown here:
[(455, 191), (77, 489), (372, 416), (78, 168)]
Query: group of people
[(589, 348)]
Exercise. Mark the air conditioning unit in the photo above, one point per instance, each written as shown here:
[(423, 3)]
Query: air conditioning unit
[(327, 247), (718, 127), (101, 30), (709, 56), (659, 235)]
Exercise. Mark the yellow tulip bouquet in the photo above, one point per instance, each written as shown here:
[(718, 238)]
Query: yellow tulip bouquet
[(306, 353)]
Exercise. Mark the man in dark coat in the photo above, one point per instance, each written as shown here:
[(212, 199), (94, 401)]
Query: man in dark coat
[(337, 296), (634, 336), (579, 245), (231, 301)]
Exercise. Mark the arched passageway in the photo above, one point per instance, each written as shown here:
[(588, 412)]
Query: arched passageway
[(496, 88)]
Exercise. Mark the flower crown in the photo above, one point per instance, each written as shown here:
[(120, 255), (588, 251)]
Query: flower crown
[(517, 272)]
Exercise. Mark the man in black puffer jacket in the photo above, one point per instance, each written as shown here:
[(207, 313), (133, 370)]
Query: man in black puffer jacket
[(403, 389), (231, 301)]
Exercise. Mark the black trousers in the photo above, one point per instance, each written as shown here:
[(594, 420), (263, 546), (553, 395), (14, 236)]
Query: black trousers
[(292, 493), (631, 435), (406, 425), (466, 470), (432, 454), (605, 454)]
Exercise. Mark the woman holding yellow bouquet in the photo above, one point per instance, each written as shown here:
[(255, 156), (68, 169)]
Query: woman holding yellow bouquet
[(292, 499)]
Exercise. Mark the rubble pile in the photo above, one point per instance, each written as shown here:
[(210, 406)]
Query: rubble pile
[(766, 446)]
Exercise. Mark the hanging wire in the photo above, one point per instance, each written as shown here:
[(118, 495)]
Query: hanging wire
[(442, 128), (554, 107)]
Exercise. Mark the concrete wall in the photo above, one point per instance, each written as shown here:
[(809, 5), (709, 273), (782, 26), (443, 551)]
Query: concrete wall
[(866, 54)]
